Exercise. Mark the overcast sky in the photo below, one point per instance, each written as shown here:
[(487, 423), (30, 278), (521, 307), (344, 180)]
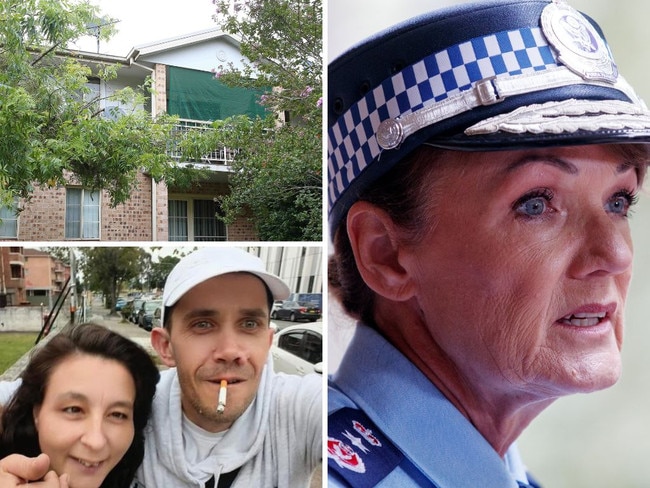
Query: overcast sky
[(145, 21)]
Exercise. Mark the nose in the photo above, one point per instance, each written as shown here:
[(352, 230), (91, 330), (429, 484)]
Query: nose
[(94, 436), (606, 247), (228, 346)]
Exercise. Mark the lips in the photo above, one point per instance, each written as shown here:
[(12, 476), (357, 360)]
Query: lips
[(231, 381), (589, 315)]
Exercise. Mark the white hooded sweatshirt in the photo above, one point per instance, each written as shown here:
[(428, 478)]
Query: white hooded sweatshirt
[(276, 442)]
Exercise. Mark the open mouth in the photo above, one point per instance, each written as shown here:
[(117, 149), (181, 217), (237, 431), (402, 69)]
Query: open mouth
[(230, 381), (583, 319), (88, 464)]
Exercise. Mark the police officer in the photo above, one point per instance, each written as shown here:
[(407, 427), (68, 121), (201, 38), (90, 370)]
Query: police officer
[(483, 160)]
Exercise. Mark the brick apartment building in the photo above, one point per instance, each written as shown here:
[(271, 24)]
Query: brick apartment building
[(181, 69), (12, 277), (45, 277)]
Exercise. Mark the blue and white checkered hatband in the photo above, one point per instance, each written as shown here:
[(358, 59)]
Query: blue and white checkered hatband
[(533, 85)]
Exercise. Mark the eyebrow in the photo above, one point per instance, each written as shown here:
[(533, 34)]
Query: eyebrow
[(209, 312), (73, 395), (556, 161)]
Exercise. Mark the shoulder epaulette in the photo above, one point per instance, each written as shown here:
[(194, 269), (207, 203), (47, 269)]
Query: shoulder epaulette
[(357, 450)]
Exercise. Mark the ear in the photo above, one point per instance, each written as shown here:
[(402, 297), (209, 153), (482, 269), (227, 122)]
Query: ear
[(377, 250), (161, 342), (271, 334), (35, 411)]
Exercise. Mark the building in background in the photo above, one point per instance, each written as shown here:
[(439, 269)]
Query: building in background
[(181, 69), (300, 267), (45, 277), (12, 277)]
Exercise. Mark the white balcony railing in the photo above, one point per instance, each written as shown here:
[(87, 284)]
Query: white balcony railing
[(221, 156)]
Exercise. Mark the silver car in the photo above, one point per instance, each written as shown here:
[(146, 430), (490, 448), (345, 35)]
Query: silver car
[(298, 349)]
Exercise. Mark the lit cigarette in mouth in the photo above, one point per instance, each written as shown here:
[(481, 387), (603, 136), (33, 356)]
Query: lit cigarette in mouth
[(222, 396)]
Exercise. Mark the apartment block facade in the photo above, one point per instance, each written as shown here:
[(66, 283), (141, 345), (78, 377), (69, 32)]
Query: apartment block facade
[(185, 86)]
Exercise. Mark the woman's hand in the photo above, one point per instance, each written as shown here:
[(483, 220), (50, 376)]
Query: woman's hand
[(17, 470)]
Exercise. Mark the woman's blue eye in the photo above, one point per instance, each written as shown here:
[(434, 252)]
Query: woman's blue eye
[(533, 204), (621, 202)]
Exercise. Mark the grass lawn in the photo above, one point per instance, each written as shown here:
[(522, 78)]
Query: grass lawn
[(12, 346)]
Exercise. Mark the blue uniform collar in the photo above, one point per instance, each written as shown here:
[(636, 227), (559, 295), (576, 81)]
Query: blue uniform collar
[(418, 419)]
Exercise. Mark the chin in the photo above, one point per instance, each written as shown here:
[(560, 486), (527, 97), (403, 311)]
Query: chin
[(596, 375)]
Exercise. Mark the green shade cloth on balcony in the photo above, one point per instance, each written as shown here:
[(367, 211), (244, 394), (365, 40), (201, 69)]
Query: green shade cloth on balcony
[(198, 95)]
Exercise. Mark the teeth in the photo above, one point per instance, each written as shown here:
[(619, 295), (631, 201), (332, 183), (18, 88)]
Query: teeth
[(599, 315), (584, 319), (87, 464)]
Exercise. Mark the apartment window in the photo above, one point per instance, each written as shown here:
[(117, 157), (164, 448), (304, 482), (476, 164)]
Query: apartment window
[(177, 220), (195, 220), (81, 214), (16, 271), (9, 221), (37, 293)]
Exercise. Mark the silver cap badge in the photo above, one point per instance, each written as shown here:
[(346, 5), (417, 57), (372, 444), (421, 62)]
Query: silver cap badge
[(578, 45)]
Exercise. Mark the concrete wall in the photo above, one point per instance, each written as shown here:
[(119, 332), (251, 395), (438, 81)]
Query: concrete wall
[(27, 319)]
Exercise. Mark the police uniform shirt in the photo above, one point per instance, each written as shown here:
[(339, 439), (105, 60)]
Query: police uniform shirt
[(388, 426)]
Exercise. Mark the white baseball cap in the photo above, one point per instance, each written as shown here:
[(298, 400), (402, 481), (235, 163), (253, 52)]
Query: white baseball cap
[(208, 262)]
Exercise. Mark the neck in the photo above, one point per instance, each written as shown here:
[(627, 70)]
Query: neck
[(499, 413)]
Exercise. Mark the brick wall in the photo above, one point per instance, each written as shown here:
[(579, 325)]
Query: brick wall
[(43, 217), (242, 229), (130, 221)]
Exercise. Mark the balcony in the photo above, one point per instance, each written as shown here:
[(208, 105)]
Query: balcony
[(219, 159)]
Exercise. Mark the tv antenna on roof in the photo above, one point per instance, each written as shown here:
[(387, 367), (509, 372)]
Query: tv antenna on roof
[(95, 27)]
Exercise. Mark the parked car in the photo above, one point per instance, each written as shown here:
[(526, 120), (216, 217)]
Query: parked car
[(157, 315), (276, 304), (298, 349), (119, 303), (137, 304), (296, 310), (145, 315)]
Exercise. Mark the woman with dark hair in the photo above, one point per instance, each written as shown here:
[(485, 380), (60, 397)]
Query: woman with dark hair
[(84, 400)]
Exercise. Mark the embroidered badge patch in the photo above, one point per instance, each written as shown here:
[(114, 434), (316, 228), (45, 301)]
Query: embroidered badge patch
[(357, 450)]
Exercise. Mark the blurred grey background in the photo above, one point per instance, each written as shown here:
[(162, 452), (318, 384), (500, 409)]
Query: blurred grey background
[(596, 440)]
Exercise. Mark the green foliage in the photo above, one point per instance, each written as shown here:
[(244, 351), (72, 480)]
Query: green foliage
[(160, 270), (51, 128), (277, 171), (106, 268)]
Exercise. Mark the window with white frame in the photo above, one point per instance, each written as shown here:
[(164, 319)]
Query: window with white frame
[(9, 221), (177, 220), (192, 219), (81, 214)]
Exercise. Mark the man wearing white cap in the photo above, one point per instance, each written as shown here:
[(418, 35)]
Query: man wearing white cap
[(220, 412), (221, 416)]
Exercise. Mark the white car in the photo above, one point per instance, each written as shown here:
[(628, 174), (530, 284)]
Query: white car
[(298, 349)]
